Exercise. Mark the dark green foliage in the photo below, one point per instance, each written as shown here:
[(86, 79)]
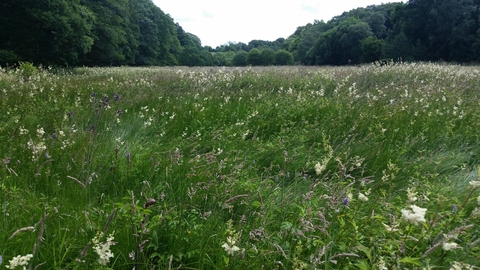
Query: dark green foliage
[(283, 58), (7, 58), (50, 32), (137, 32), (267, 56), (254, 57), (240, 59), (420, 30)]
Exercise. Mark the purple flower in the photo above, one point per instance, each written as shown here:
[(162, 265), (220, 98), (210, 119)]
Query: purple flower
[(70, 113), (54, 136), (116, 97), (345, 201), (119, 112), (128, 157)]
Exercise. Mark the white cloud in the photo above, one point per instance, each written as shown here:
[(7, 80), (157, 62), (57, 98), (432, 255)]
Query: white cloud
[(218, 22)]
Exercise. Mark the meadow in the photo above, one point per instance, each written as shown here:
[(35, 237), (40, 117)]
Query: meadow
[(359, 167)]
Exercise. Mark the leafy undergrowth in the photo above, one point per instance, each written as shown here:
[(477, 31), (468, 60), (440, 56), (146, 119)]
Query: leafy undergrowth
[(243, 168)]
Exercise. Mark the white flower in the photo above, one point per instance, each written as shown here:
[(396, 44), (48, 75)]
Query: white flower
[(461, 266), (412, 195), (319, 168), (478, 200), (19, 261), (392, 228), (414, 216), (362, 197), (230, 247), (103, 249), (449, 246), (474, 183)]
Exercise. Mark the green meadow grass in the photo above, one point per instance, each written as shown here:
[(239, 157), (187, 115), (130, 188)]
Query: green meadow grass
[(241, 168)]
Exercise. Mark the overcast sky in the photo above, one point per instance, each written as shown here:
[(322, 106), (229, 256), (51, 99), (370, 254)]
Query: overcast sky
[(217, 22)]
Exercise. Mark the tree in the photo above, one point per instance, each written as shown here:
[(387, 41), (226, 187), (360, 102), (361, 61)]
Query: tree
[(50, 32), (114, 40), (240, 59), (268, 56), (254, 57), (158, 42), (283, 58), (372, 49), (341, 44)]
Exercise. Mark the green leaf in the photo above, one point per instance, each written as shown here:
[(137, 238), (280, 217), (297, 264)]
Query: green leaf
[(367, 251), (363, 265), (286, 225), (256, 204), (415, 261)]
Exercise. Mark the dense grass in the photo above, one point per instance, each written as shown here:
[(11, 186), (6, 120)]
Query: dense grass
[(285, 168)]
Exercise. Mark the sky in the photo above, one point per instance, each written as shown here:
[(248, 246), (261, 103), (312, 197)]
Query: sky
[(218, 22)]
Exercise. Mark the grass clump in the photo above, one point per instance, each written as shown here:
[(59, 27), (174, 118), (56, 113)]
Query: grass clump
[(199, 168)]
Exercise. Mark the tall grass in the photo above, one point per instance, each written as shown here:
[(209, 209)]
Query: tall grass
[(234, 168)]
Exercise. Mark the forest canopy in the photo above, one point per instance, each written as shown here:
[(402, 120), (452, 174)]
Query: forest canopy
[(138, 33)]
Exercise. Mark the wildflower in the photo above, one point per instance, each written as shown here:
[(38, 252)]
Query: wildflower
[(412, 195), (103, 249), (392, 228), (23, 130), (449, 246), (345, 201), (475, 213), (474, 183), (414, 216), (40, 132), (381, 264), (232, 238), (230, 247), (319, 168), (461, 266), (362, 197), (19, 261)]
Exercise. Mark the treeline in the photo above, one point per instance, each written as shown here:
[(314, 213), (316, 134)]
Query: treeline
[(419, 30), (93, 33), (136, 32)]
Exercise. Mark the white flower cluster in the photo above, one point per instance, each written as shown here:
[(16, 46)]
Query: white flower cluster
[(232, 238), (103, 249), (447, 246), (474, 183), (362, 197), (19, 261), (415, 215), (230, 247), (461, 266)]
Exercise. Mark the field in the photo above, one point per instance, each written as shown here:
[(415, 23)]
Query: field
[(360, 167)]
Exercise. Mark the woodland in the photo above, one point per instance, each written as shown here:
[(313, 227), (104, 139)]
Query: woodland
[(71, 33)]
